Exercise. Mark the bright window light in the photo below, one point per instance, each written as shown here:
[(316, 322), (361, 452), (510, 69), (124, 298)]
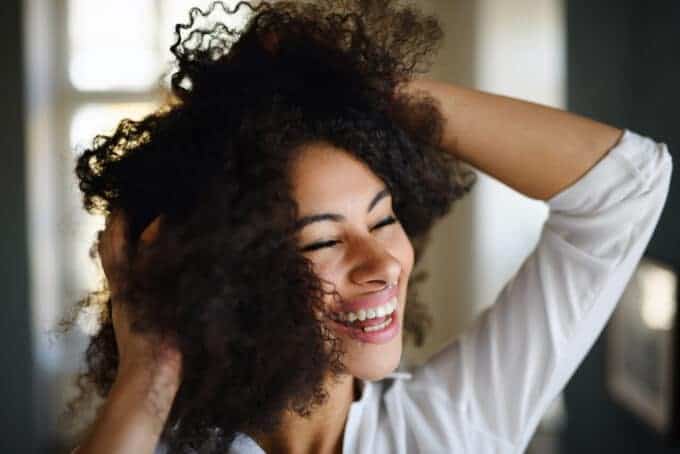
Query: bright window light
[(113, 45), (658, 297)]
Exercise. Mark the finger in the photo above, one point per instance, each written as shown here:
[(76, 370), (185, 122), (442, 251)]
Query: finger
[(119, 233), (114, 249), (119, 222), (151, 231)]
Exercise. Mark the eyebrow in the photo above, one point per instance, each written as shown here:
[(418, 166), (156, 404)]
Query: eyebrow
[(306, 220)]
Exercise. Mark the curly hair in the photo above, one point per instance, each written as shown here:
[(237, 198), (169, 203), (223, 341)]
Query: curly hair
[(225, 279)]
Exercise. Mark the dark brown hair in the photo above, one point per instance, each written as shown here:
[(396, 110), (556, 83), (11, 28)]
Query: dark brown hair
[(224, 279)]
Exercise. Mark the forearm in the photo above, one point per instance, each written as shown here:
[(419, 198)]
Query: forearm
[(132, 417), (536, 150)]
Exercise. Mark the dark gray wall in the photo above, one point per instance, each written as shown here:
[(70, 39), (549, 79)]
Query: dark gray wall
[(624, 69), (16, 376)]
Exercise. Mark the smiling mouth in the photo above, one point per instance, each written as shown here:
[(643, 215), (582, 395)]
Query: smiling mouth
[(366, 316), (379, 330)]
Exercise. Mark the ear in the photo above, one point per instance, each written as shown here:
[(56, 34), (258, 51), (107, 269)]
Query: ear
[(151, 231)]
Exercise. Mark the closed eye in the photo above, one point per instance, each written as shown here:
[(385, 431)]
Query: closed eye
[(387, 221), (323, 244)]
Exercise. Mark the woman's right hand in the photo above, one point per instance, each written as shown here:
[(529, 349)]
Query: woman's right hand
[(138, 404), (134, 349)]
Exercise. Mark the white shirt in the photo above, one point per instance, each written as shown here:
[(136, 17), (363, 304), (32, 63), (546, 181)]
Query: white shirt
[(485, 391)]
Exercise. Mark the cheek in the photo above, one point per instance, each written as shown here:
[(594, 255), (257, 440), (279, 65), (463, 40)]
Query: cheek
[(330, 272), (326, 268), (404, 252)]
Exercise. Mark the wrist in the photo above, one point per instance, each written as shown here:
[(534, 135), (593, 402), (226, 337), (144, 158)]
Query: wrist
[(155, 389), (131, 419)]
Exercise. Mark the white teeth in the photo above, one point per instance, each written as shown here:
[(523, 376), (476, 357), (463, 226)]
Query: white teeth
[(368, 329), (367, 314)]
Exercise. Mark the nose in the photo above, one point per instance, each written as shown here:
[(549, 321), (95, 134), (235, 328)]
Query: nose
[(374, 267)]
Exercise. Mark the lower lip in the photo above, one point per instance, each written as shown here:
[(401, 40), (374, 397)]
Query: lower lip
[(374, 337)]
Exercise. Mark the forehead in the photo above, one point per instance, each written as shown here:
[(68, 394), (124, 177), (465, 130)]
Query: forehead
[(323, 175)]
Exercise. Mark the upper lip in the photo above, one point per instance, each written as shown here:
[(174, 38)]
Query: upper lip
[(366, 302)]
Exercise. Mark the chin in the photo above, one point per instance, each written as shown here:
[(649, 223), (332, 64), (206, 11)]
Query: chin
[(375, 362)]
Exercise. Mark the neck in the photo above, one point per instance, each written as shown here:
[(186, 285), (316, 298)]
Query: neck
[(322, 432)]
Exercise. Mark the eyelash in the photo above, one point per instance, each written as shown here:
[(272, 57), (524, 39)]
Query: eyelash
[(312, 247)]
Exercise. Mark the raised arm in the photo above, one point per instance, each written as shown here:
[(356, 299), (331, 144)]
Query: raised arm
[(534, 149), (605, 192)]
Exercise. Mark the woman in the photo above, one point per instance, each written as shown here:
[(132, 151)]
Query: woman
[(262, 232)]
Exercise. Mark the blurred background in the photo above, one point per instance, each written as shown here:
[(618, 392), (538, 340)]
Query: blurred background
[(74, 68)]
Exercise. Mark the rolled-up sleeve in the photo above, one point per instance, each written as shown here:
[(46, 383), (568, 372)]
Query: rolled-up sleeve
[(504, 371)]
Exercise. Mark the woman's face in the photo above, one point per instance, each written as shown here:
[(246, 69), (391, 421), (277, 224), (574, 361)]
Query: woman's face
[(347, 228)]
